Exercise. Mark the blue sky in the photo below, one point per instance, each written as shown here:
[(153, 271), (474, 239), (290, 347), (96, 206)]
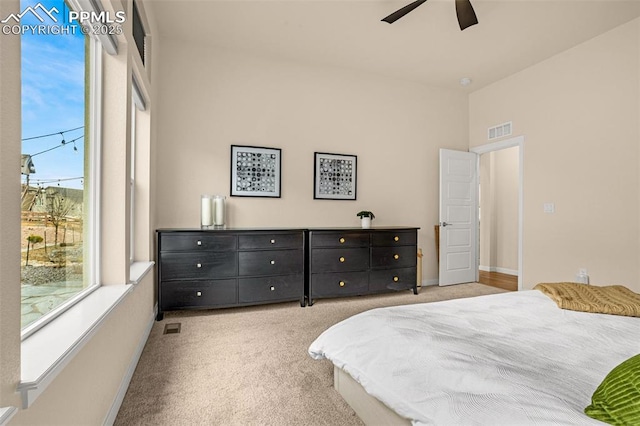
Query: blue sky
[(53, 99)]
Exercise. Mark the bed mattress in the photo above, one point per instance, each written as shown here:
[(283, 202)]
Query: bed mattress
[(504, 359)]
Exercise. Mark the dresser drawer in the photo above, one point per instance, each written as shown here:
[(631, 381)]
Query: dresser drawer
[(265, 289), (270, 241), (339, 284), (197, 294), (339, 239), (202, 265), (394, 257), (392, 279), (394, 238), (339, 260), (270, 262), (197, 242)]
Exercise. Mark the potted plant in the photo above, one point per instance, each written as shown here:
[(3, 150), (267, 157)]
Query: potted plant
[(365, 218)]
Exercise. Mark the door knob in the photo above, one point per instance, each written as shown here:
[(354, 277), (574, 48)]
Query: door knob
[(443, 224)]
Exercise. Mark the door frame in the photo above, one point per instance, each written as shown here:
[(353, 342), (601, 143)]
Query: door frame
[(517, 141)]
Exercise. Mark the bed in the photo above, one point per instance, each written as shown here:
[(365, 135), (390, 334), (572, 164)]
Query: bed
[(504, 359)]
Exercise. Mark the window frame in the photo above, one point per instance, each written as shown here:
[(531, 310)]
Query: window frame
[(92, 185), (132, 182)]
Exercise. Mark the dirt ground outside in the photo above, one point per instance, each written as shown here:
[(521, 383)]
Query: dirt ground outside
[(70, 233)]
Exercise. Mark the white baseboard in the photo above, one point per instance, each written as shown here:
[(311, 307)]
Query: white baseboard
[(427, 283), (124, 385), (498, 269)]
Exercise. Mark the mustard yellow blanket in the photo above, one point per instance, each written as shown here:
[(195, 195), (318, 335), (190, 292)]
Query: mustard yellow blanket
[(614, 299)]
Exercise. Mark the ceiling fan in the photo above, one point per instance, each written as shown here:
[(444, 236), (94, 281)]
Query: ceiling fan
[(464, 10)]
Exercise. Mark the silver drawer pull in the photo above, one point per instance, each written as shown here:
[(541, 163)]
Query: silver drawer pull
[(273, 241), (341, 283), (198, 265), (199, 243), (396, 238), (396, 279), (342, 259), (396, 256), (198, 293), (273, 262), (272, 288)]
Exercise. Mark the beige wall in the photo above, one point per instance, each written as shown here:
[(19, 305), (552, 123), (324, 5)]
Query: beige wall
[(499, 174), (579, 114), (10, 147), (211, 99)]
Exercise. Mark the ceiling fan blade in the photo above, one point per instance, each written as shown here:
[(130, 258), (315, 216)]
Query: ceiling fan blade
[(466, 14), (401, 12)]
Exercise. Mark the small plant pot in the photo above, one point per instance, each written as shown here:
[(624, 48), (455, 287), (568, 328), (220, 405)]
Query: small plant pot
[(366, 222)]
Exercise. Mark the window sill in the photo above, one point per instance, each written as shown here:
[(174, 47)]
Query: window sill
[(6, 413), (45, 353), (138, 270)]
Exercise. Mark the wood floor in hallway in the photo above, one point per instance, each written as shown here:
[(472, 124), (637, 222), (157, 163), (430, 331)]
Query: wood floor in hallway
[(499, 280)]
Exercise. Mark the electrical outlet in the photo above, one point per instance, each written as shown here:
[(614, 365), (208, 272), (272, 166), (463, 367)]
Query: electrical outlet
[(582, 271), (549, 208)]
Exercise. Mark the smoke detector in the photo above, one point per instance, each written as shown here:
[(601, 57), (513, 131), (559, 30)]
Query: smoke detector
[(465, 81)]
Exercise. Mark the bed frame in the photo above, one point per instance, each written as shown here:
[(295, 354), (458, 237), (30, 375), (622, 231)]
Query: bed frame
[(369, 409)]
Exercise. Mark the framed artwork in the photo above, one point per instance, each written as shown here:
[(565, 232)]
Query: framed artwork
[(255, 171), (335, 176)]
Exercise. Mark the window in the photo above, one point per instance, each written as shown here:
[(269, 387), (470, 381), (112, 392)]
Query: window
[(139, 140), (132, 184), (59, 173), (138, 32)]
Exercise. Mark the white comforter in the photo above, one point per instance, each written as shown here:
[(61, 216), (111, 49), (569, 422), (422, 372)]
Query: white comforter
[(504, 359)]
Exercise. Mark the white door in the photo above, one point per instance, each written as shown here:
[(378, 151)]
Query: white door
[(458, 217)]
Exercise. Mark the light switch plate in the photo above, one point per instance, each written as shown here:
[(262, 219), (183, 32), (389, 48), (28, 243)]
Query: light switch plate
[(549, 208)]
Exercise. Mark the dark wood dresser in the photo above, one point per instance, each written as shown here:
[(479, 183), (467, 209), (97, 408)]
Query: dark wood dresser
[(202, 269), (355, 261)]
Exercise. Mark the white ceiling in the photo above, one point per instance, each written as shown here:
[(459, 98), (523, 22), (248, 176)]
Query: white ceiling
[(426, 45)]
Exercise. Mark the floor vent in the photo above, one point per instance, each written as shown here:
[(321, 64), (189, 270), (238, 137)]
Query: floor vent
[(500, 131), (172, 328)]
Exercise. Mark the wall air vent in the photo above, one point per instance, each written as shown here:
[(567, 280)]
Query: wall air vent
[(500, 131)]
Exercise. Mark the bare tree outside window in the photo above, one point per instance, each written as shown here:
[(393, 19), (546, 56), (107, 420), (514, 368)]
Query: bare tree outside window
[(58, 208)]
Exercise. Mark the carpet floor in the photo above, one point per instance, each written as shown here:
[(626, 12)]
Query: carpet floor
[(249, 366)]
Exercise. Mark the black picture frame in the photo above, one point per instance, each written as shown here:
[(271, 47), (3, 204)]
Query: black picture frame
[(256, 171), (335, 176)]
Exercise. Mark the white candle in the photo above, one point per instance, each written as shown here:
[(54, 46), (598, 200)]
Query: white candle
[(219, 210), (205, 213)]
